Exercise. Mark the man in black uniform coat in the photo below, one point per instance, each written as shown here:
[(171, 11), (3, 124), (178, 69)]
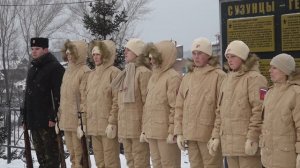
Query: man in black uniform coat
[(42, 101)]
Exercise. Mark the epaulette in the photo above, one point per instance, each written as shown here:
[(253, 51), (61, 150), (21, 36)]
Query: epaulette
[(219, 71), (296, 88), (173, 72)]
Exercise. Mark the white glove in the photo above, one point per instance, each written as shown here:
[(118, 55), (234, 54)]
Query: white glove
[(143, 138), (81, 132), (251, 147), (57, 128), (298, 161), (180, 142), (171, 139), (111, 131), (213, 145)]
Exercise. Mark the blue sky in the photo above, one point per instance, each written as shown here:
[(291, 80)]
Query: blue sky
[(181, 20)]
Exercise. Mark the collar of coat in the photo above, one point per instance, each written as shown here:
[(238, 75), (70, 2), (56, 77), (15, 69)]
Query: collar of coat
[(44, 59), (212, 62), (251, 64), (294, 78), (204, 69)]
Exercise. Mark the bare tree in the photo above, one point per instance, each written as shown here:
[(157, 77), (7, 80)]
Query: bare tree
[(7, 32), (41, 18), (135, 11), (75, 27), (78, 10), (7, 35)]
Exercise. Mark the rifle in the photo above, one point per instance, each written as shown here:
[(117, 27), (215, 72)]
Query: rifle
[(59, 140), (61, 149), (28, 156), (29, 163), (85, 153)]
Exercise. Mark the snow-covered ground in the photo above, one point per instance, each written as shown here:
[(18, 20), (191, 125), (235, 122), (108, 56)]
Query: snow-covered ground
[(20, 164)]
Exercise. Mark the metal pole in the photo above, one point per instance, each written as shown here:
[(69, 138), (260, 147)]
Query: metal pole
[(14, 127), (9, 134)]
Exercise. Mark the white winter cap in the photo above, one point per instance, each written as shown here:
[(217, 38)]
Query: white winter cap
[(135, 45), (286, 63), (96, 50), (202, 44), (238, 48)]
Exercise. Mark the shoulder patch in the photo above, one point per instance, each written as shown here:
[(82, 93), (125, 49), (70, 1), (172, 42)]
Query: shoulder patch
[(262, 92)]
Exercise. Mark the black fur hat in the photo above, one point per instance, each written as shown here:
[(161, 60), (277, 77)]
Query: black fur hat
[(39, 42)]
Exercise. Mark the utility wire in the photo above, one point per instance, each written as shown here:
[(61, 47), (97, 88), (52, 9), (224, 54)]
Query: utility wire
[(47, 4)]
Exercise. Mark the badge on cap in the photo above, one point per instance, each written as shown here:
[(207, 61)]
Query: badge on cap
[(33, 41), (198, 46), (68, 52)]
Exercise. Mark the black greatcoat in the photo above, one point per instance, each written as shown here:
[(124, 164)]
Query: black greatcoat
[(44, 77)]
